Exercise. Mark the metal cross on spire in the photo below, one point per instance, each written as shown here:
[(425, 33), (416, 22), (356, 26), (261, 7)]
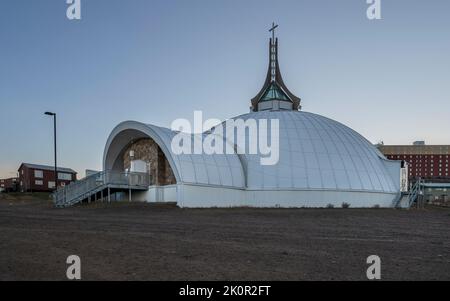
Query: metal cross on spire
[(272, 30)]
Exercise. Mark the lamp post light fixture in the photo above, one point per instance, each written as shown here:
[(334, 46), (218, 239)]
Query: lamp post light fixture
[(54, 139)]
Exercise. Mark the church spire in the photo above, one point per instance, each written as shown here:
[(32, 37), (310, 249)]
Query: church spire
[(274, 95), (273, 53)]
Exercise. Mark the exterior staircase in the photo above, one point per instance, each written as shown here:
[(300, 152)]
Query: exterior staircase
[(408, 199), (100, 183)]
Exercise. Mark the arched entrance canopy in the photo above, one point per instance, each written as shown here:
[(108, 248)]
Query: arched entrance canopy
[(215, 170)]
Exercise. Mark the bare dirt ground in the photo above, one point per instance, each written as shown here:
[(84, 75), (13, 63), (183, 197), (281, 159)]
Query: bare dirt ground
[(131, 241)]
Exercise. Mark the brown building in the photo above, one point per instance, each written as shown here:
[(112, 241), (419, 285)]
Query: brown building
[(33, 177), (429, 162), (9, 185)]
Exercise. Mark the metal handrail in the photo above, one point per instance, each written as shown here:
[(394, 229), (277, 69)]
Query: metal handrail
[(70, 194), (414, 192)]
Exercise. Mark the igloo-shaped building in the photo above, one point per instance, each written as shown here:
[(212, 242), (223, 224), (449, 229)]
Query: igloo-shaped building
[(321, 161)]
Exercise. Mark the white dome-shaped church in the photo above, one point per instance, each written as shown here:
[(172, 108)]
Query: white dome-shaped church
[(321, 162)]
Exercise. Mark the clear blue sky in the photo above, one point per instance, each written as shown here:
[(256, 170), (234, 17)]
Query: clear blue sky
[(157, 60)]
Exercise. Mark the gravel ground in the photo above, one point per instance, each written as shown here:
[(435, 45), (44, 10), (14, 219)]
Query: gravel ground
[(132, 241)]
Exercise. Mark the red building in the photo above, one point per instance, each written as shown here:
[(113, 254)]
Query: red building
[(33, 177), (9, 185), (429, 162)]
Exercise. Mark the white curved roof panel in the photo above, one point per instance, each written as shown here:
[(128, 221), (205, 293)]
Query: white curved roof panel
[(317, 153)]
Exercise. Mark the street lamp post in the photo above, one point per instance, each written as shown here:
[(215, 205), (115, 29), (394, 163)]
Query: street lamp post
[(54, 140)]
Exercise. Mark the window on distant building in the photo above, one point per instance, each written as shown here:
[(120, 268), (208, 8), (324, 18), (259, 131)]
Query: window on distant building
[(51, 184), (38, 174), (64, 176), (39, 182)]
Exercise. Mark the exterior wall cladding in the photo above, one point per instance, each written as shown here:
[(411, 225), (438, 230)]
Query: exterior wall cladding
[(425, 161), (29, 182)]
